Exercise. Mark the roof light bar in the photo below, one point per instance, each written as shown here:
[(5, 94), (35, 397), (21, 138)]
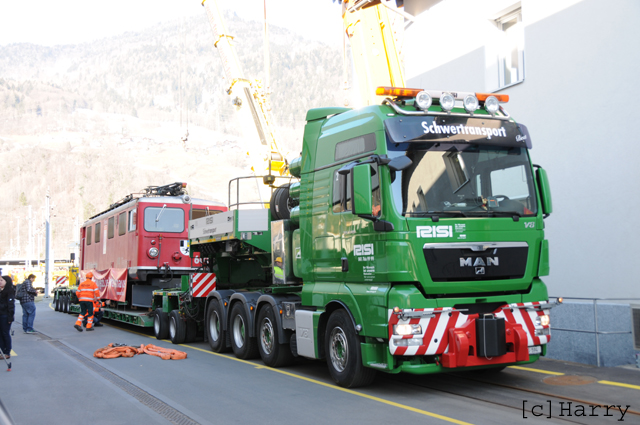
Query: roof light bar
[(504, 98), (397, 91)]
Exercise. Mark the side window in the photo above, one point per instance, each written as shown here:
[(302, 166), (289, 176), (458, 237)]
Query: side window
[(132, 220), (88, 235), (122, 224), (111, 225), (355, 146), (98, 225), (342, 185)]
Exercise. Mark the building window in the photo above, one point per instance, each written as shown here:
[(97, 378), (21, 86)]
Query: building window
[(511, 54)]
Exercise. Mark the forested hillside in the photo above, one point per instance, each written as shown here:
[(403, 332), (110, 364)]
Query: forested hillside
[(93, 122)]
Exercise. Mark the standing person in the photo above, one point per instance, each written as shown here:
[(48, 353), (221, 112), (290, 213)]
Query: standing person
[(87, 294), (28, 304), (7, 310)]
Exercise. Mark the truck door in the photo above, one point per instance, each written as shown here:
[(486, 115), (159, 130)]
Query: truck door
[(327, 248)]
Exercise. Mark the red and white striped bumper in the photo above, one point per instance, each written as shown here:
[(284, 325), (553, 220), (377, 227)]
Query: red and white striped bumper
[(202, 284), (442, 326)]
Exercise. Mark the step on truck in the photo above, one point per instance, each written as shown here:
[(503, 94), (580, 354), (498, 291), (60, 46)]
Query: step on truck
[(411, 241)]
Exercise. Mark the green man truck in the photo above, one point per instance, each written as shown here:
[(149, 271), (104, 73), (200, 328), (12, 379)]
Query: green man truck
[(411, 240)]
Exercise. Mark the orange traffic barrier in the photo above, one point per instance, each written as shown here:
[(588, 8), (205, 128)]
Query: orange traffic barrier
[(113, 351)]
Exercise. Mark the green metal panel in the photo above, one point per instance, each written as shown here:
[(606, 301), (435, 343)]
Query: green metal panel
[(185, 283), (543, 269)]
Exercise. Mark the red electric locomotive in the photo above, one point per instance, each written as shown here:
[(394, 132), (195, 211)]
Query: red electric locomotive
[(140, 243)]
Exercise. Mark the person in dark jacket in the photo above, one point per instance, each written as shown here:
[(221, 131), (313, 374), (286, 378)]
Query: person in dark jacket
[(7, 311), (27, 301)]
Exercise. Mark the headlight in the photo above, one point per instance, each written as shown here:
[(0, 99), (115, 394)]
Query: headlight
[(153, 252), (470, 103), (543, 320), (491, 104), (407, 329), (447, 101), (423, 100)]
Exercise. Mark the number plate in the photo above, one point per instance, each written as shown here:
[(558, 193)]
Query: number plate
[(535, 350)]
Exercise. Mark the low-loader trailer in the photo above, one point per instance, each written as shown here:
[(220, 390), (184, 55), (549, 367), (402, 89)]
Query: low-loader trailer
[(411, 241)]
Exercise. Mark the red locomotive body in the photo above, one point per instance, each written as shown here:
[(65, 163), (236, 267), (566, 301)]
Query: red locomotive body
[(146, 234)]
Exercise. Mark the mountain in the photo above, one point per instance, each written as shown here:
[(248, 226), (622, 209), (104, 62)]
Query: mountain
[(94, 122)]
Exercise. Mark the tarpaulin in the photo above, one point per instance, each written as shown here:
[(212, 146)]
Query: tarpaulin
[(112, 283)]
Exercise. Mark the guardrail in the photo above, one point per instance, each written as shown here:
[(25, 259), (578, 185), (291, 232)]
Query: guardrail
[(596, 331)]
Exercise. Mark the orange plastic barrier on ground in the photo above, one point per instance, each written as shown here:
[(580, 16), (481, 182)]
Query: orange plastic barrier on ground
[(113, 351)]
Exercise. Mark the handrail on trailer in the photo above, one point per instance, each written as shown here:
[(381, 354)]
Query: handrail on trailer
[(259, 180)]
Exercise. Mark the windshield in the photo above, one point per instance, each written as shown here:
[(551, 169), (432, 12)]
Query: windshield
[(164, 219), (463, 180)]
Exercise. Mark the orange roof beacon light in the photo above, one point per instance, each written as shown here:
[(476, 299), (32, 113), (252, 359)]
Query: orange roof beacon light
[(397, 91)]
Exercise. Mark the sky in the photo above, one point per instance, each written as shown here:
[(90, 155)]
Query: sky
[(49, 22)]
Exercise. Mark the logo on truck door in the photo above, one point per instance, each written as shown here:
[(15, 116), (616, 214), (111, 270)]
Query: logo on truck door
[(434, 231)]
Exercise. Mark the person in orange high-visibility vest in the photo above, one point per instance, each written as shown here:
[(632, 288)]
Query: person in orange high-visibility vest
[(87, 294)]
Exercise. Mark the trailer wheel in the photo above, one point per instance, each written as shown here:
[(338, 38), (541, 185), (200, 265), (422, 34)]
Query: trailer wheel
[(272, 352), (242, 345), (56, 303), (161, 324), (343, 353), (217, 336), (65, 304), (177, 327)]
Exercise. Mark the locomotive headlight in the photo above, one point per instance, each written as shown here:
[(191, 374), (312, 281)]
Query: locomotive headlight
[(470, 103), (423, 100), (153, 252), (543, 320), (447, 101), (491, 104), (407, 329)]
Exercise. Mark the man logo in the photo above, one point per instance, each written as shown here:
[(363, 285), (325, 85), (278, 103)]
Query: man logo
[(479, 262), (479, 270), (434, 231)]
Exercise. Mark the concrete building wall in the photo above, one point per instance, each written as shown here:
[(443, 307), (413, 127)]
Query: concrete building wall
[(578, 99)]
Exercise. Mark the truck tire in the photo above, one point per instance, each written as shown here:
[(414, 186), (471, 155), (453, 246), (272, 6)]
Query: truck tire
[(161, 324), (344, 357), (281, 204), (56, 303), (217, 336), (177, 327), (65, 303), (243, 346), (272, 352)]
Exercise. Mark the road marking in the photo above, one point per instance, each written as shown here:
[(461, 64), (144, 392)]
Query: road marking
[(324, 384), (530, 369), (619, 384)]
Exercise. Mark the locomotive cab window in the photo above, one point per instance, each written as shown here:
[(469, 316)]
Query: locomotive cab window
[(97, 232), (164, 219), (122, 224), (111, 224), (132, 220), (88, 236)]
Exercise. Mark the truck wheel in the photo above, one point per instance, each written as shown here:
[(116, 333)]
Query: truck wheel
[(177, 327), (242, 345), (272, 352), (281, 204), (343, 353), (161, 324), (56, 303), (217, 336), (65, 303)]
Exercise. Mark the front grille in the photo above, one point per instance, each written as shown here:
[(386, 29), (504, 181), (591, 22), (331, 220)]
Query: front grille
[(454, 262)]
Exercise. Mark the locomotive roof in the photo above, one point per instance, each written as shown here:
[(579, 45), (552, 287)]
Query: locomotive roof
[(151, 199)]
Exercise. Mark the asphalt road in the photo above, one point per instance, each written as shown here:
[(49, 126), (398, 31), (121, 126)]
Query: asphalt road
[(55, 379)]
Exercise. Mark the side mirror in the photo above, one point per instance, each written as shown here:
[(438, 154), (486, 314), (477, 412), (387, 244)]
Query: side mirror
[(361, 189), (400, 163), (545, 191)]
